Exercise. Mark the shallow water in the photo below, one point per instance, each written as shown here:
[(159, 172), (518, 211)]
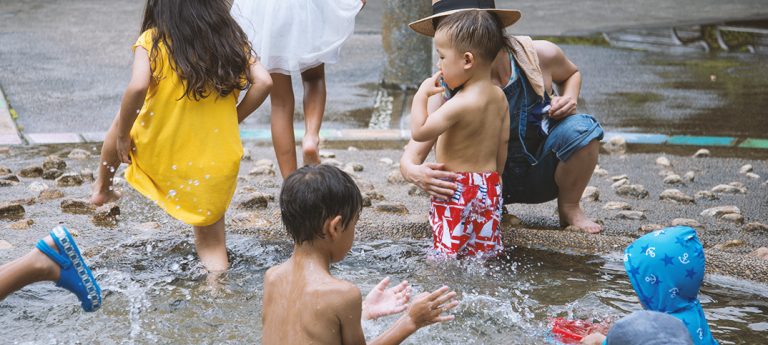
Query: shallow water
[(156, 292)]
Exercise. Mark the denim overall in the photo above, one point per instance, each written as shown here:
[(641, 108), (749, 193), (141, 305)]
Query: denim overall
[(532, 153)]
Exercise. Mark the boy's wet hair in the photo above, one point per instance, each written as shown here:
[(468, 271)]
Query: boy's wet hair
[(314, 194), (478, 32)]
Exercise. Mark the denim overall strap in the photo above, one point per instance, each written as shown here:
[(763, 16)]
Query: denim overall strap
[(522, 84)]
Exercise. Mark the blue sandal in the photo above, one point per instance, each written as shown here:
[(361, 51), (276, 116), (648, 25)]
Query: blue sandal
[(75, 274)]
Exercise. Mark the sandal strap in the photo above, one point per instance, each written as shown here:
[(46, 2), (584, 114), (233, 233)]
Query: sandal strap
[(62, 261)]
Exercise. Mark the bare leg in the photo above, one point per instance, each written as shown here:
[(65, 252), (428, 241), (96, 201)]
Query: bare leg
[(211, 247), (314, 107), (283, 139), (31, 268), (572, 177), (102, 191)]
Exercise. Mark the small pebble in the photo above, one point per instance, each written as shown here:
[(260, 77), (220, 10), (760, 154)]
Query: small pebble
[(356, 167), (617, 205), (5, 170), (673, 179), (676, 196), (616, 145), (689, 176), (387, 161), (729, 244), (106, 215), (619, 178), (23, 224), (70, 180), (264, 162), (77, 206), (747, 168), (728, 189), (5, 245), (631, 215), (50, 194), (719, 211), (686, 222), (333, 162), (702, 153), (53, 162), (706, 195), (650, 227), (663, 161), (52, 174), (600, 172), (79, 154), (755, 226), (388, 207), (256, 200), (591, 193), (395, 177), (262, 170), (634, 191), (753, 176), (619, 183), (732, 218), (11, 211), (416, 191), (760, 253), (31, 172), (352, 148), (327, 154)]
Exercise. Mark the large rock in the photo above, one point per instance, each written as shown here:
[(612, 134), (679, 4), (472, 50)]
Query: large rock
[(53, 162), (31, 172), (395, 177), (11, 211), (6, 183), (591, 193), (686, 222), (633, 191), (719, 211), (747, 168), (69, 180), (391, 207), (729, 189), (52, 174), (106, 215), (256, 200), (79, 154), (9, 177), (702, 153), (616, 145), (676, 196), (617, 205), (755, 226), (663, 161), (631, 215), (673, 179), (50, 194), (77, 206)]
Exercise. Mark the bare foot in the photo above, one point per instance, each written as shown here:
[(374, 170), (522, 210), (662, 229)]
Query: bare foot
[(573, 215), (99, 198), (309, 146)]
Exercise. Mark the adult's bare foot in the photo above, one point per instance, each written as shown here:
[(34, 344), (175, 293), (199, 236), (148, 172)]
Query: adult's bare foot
[(573, 215), (311, 151)]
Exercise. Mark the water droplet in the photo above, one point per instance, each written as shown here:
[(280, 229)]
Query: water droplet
[(111, 169), (142, 123), (152, 113), (104, 163), (138, 111), (189, 163), (173, 167), (209, 213), (196, 183), (215, 130), (189, 181), (207, 176), (171, 193), (178, 207)]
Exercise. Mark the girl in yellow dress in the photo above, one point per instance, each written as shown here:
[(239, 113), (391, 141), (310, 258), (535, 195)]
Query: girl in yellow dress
[(177, 127)]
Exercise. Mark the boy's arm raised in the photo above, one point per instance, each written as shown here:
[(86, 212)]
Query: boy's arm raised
[(426, 127), (133, 100), (425, 310), (261, 84)]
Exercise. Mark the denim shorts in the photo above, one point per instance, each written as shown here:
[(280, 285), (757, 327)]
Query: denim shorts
[(528, 183)]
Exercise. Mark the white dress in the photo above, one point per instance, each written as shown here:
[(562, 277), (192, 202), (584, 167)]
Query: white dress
[(296, 35)]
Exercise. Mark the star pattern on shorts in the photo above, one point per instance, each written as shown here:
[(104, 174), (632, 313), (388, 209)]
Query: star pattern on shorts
[(681, 241), (690, 273), (634, 270)]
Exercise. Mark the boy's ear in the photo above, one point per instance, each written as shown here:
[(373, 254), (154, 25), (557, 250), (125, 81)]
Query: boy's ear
[(469, 60), (335, 227)]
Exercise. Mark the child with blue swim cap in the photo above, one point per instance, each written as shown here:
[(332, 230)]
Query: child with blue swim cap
[(666, 269)]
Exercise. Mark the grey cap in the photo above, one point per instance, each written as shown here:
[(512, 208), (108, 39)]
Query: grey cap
[(648, 328)]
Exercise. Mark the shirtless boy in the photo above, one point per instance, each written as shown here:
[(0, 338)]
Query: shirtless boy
[(303, 302), (472, 130)]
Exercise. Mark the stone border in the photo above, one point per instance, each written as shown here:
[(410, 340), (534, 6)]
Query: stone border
[(396, 136), (9, 133)]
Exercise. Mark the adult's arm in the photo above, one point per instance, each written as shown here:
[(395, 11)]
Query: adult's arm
[(430, 177), (565, 75)]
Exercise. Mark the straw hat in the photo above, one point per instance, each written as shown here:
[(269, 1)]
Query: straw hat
[(442, 8)]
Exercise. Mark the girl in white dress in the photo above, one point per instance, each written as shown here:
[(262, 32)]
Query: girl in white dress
[(297, 36)]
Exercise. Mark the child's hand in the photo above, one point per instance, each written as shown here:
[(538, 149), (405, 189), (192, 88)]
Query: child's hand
[(124, 145), (427, 308), (431, 86), (382, 301)]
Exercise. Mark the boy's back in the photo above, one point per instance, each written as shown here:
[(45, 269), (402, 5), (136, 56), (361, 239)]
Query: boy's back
[(303, 304), (473, 142)]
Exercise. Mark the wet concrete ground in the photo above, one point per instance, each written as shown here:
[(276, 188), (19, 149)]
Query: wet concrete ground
[(379, 179), (63, 66)]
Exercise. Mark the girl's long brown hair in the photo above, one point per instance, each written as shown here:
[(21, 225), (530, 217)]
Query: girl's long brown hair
[(208, 49)]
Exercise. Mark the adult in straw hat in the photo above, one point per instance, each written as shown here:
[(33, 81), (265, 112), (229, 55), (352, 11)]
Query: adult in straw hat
[(552, 149)]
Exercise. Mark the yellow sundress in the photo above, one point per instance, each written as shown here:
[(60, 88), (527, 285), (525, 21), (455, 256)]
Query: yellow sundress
[(188, 152)]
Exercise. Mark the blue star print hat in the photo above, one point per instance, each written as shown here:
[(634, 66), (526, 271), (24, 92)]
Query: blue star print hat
[(666, 269)]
